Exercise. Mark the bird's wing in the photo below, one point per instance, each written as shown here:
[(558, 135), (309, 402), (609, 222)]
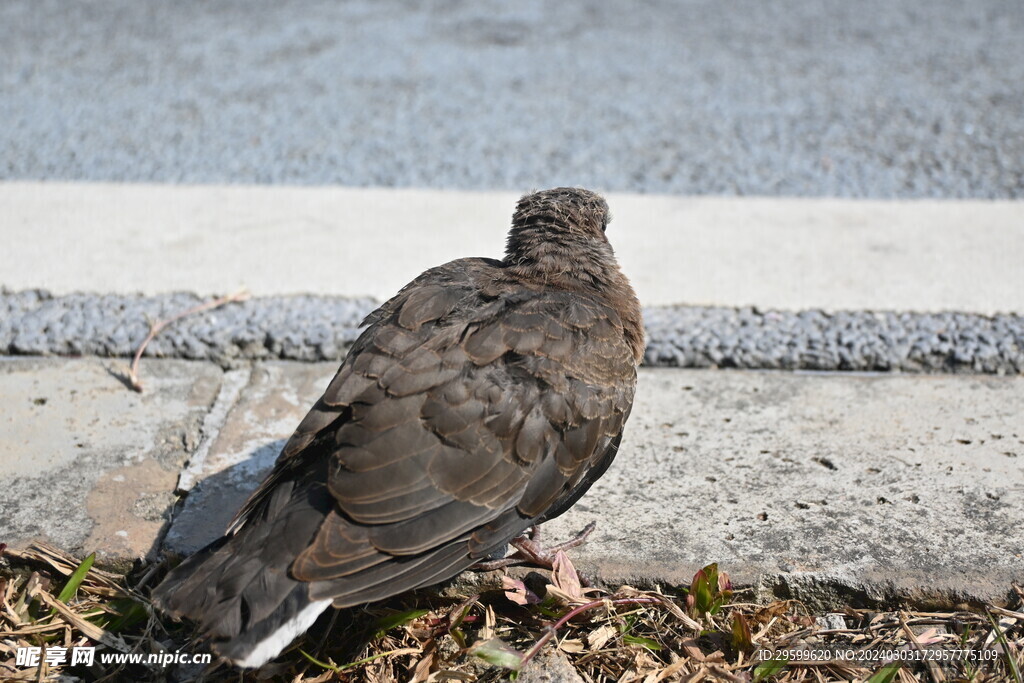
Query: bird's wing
[(460, 417)]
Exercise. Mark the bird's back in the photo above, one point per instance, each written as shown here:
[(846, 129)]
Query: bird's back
[(475, 404)]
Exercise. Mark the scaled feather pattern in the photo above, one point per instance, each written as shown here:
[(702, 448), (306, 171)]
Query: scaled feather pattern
[(485, 397)]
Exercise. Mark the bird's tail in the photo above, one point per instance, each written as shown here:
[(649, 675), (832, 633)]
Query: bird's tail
[(239, 589)]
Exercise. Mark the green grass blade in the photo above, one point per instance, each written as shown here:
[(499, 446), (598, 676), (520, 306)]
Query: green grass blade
[(386, 623), (1007, 652), (886, 674), (642, 642), (76, 578), (497, 652), (323, 665), (350, 665), (769, 668), (131, 613)]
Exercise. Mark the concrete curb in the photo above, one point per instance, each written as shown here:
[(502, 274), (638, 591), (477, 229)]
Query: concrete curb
[(788, 254)]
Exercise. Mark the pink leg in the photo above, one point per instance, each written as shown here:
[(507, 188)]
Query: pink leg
[(530, 551)]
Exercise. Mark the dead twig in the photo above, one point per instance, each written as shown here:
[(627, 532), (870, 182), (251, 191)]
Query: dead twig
[(156, 327), (552, 630), (933, 669)]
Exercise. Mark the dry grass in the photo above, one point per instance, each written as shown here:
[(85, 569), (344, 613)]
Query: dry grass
[(707, 633)]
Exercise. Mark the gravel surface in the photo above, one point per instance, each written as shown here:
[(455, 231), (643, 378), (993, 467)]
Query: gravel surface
[(920, 98), (310, 328), (683, 336)]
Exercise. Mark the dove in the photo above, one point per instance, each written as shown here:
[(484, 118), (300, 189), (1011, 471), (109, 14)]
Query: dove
[(483, 399)]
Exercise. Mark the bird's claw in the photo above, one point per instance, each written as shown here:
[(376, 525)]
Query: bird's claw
[(530, 551)]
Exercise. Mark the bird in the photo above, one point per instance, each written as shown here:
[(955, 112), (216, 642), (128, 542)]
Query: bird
[(484, 398)]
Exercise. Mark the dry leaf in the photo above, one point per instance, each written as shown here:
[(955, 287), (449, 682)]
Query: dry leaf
[(87, 628), (571, 645), (451, 675), (692, 649), (517, 592), (565, 578), (490, 621), (597, 638), (428, 662), (676, 668), (562, 597), (769, 612)]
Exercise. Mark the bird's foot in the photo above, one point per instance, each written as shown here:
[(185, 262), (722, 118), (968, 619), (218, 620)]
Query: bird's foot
[(530, 551)]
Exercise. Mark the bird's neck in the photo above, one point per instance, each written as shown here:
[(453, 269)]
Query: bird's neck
[(563, 261), (577, 264)]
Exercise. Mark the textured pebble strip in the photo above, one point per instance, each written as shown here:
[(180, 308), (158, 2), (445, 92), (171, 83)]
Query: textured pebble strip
[(314, 328), (698, 337)]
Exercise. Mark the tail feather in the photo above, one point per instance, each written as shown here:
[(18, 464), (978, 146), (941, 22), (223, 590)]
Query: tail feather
[(265, 639), (246, 632), (243, 596), (238, 589)]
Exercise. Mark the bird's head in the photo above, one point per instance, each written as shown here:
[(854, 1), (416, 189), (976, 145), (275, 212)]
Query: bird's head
[(560, 233), (571, 210)]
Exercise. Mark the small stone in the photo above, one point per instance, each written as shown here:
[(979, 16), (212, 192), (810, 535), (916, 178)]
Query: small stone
[(550, 666), (831, 621)]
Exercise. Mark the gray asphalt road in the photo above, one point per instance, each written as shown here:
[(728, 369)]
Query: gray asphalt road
[(919, 98)]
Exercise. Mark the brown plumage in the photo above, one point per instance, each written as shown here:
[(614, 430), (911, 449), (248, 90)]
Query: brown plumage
[(485, 397)]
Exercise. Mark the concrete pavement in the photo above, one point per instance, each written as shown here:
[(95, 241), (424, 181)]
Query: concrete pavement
[(790, 254), (89, 465), (827, 488), (818, 487)]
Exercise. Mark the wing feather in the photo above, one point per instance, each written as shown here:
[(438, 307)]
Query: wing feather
[(463, 414)]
